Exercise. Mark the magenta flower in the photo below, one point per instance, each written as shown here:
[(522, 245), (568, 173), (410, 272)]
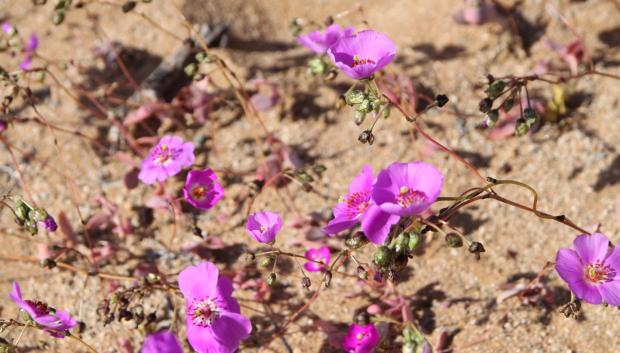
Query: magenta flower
[(357, 206), (201, 189), (319, 42), (166, 159), (591, 269), (54, 322), (264, 226), (214, 322), (407, 189), (361, 339), (3, 125), (49, 223), (7, 28), (29, 51), (362, 54), (161, 342), (321, 254)]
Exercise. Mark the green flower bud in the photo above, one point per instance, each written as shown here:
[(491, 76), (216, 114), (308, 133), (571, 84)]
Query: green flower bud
[(316, 67), (454, 240), (37, 214), (267, 261), (271, 279), (522, 127), (495, 88), (58, 17), (485, 105), (384, 256), (530, 116), (491, 118), (414, 241), (508, 103), (355, 97), (364, 106), (191, 69), (359, 117), (21, 211)]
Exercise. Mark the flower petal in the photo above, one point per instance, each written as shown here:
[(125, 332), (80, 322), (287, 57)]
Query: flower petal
[(199, 282), (591, 248), (338, 225), (376, 224), (569, 265), (611, 292), (202, 339), (230, 329)]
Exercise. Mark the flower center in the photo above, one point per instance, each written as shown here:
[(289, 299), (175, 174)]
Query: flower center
[(357, 203), (599, 272), (360, 336), (204, 312), (164, 154), (40, 308), (359, 61), (408, 197), (263, 228)]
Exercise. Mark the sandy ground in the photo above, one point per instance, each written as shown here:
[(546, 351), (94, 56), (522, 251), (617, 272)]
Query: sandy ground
[(573, 165)]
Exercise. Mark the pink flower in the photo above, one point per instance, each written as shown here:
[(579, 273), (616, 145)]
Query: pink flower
[(214, 322), (54, 322), (201, 189), (166, 159), (7, 28), (361, 339), (3, 125), (161, 342), (321, 254), (358, 207), (591, 269), (29, 51), (407, 189), (319, 42), (264, 226), (362, 54)]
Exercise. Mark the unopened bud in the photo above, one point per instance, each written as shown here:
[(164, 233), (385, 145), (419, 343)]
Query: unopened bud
[(129, 6), (491, 118), (356, 241), (476, 248), (48, 263), (414, 241), (328, 278), (522, 127), (362, 273), (58, 17), (441, 100), (37, 214), (305, 282), (454, 240), (485, 105), (267, 261), (271, 279), (366, 137), (530, 116), (383, 256), (508, 104), (354, 97), (495, 88), (359, 117), (191, 69)]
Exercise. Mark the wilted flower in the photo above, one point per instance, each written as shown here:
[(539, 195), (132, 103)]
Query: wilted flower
[(361, 339), (358, 207), (321, 254), (362, 54), (591, 269), (201, 189), (54, 322), (161, 342), (407, 189), (166, 159), (320, 41), (214, 322), (264, 226)]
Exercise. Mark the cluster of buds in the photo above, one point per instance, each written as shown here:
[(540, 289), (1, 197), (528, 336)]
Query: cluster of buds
[(365, 102), (392, 258), (31, 218), (512, 90), (319, 67), (195, 69)]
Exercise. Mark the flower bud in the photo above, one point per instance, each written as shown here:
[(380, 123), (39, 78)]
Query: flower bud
[(414, 241), (271, 279), (364, 106), (356, 241), (491, 118), (508, 104), (530, 116), (383, 256), (359, 117), (129, 6), (267, 261), (21, 211), (476, 248), (354, 97), (328, 278), (495, 88), (362, 273), (400, 243), (441, 100), (58, 17), (485, 105), (191, 69), (48, 263), (454, 240), (522, 127), (305, 282), (37, 214), (363, 318), (366, 137), (316, 67), (152, 277)]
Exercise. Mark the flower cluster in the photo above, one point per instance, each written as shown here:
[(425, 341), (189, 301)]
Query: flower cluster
[(168, 158), (32, 218), (400, 190)]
